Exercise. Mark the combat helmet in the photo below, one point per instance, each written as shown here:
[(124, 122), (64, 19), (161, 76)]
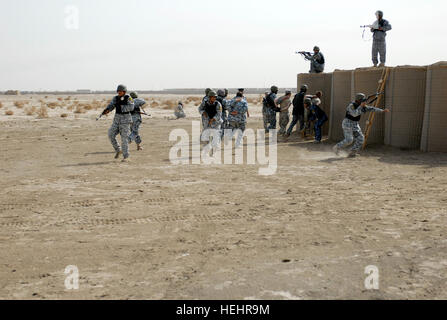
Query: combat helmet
[(360, 97), (121, 87)]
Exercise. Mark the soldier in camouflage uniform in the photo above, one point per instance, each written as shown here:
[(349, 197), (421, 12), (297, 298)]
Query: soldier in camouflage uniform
[(221, 97), (123, 105), (272, 108), (242, 91), (351, 127), (317, 61), (179, 113), (264, 111), (211, 112), (379, 30), (136, 120), (207, 91), (237, 117), (284, 117)]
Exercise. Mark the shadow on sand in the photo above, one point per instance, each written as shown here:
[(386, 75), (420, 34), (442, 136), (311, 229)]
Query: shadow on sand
[(385, 154), (86, 164), (97, 153)]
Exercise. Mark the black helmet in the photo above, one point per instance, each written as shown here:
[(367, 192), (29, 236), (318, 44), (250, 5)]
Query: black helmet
[(121, 87)]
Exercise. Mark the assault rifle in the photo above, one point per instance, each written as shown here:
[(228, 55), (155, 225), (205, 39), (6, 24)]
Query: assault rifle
[(305, 54), (102, 114), (144, 113), (374, 25), (375, 96)]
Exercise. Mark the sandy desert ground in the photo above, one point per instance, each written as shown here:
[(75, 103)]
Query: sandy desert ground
[(152, 230)]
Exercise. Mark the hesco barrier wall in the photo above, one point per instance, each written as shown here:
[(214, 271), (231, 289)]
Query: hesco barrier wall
[(417, 97), (342, 95), (319, 82), (367, 81), (434, 132), (405, 96)]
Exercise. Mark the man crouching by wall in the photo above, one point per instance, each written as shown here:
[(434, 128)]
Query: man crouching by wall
[(351, 128)]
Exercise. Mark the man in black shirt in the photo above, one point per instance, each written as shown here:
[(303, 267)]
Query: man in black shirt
[(298, 110)]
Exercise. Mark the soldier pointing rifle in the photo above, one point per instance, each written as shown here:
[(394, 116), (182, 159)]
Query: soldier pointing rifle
[(317, 60), (379, 29)]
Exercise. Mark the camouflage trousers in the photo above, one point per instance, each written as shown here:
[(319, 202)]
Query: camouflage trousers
[(224, 120), (271, 118), (284, 119), (121, 127), (214, 126), (379, 47), (265, 118), (206, 124), (316, 67), (225, 125), (239, 129), (353, 134), (179, 114), (134, 134)]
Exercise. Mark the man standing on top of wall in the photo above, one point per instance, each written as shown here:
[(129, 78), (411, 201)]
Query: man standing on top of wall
[(379, 29)]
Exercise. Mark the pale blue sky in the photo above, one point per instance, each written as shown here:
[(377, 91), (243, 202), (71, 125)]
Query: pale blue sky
[(198, 43)]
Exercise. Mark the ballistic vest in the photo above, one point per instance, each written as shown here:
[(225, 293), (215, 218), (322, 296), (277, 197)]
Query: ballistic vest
[(121, 101), (348, 116), (210, 109)]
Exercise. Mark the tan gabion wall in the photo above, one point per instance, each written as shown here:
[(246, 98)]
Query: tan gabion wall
[(434, 132)]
